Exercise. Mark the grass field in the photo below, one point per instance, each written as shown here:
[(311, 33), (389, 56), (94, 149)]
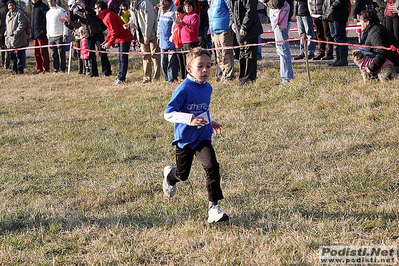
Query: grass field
[(303, 165)]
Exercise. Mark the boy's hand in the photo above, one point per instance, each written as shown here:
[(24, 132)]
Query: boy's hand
[(217, 128), (198, 121)]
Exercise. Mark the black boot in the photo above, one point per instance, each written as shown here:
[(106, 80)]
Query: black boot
[(337, 57), (343, 57)]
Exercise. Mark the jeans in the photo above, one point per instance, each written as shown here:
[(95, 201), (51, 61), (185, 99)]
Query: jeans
[(305, 25), (283, 50), (123, 59), (260, 15), (338, 32), (58, 53), (170, 65)]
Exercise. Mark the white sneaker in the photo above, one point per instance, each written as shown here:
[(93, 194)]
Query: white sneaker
[(169, 190), (118, 81), (215, 215)]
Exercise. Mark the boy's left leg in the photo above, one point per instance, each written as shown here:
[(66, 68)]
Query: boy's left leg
[(206, 155)]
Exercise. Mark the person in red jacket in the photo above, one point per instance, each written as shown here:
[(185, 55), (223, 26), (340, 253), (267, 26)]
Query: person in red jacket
[(116, 34)]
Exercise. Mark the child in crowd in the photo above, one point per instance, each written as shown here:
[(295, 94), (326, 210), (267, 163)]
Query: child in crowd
[(84, 52), (189, 28), (188, 109), (124, 13), (176, 39)]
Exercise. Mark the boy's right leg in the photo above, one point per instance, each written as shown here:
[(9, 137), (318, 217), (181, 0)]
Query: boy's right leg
[(172, 175)]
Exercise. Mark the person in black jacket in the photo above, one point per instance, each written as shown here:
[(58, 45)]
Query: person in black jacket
[(337, 13), (38, 33), (245, 23), (83, 14), (5, 59), (378, 35), (305, 26)]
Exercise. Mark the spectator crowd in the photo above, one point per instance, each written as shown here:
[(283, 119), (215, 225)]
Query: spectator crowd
[(174, 27)]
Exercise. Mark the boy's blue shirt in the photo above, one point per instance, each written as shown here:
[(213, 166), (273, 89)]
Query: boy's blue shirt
[(193, 98)]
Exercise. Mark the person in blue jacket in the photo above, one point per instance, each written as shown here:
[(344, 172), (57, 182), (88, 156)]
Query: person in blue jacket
[(223, 36), (188, 109), (169, 61)]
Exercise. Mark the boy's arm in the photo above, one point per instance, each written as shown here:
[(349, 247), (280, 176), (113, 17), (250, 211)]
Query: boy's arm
[(178, 117)]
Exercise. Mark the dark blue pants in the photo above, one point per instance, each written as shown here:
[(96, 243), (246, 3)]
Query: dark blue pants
[(123, 60), (338, 32)]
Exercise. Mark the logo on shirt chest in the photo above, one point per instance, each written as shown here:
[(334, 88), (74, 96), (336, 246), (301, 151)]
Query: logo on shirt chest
[(197, 107)]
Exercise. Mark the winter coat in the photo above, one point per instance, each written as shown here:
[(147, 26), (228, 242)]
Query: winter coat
[(190, 28), (38, 20), (388, 12), (87, 19), (301, 8), (219, 16), (336, 10), (16, 25), (244, 15), (165, 23), (379, 35), (3, 13), (143, 19), (114, 24), (316, 8)]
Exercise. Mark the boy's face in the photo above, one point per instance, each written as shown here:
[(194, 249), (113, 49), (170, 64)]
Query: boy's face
[(179, 15), (200, 68)]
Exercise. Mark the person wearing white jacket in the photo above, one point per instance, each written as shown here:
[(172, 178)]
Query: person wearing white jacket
[(57, 34)]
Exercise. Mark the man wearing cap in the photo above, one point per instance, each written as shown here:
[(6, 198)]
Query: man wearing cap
[(39, 35), (169, 62), (57, 33), (116, 34), (16, 24)]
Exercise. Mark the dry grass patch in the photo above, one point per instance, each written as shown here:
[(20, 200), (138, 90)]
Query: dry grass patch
[(303, 165)]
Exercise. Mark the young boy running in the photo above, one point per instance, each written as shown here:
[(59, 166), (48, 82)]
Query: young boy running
[(189, 111)]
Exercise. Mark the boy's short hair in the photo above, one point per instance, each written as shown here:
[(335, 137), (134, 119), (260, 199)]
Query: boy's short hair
[(180, 9), (370, 16), (190, 3), (195, 52)]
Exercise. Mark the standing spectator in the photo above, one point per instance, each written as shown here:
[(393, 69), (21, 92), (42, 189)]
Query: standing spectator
[(176, 38), (166, 16), (391, 18), (39, 35), (124, 13), (16, 25), (84, 52), (116, 34), (280, 18), (189, 26), (336, 12), (305, 26), (57, 34), (223, 36), (5, 59), (325, 51), (261, 9), (245, 23), (204, 25), (114, 5), (144, 20), (84, 15)]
